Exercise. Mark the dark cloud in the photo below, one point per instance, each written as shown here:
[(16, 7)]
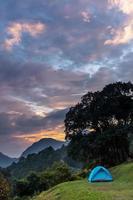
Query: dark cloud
[(36, 123), (68, 35), (13, 123), (42, 76), (12, 126)]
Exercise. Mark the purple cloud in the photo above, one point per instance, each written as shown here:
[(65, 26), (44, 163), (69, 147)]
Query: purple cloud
[(58, 51)]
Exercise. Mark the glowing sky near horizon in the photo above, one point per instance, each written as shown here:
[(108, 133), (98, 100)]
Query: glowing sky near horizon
[(51, 53)]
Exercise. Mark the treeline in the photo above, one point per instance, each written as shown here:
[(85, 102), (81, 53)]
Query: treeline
[(35, 182), (41, 161), (36, 173), (100, 127)]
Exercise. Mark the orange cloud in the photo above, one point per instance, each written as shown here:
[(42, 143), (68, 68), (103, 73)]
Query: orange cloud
[(15, 31), (57, 133)]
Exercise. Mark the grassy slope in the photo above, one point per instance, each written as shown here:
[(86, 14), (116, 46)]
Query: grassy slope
[(120, 189)]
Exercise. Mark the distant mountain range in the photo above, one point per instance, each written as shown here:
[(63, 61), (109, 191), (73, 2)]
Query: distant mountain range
[(5, 161), (35, 148), (41, 145), (41, 161)]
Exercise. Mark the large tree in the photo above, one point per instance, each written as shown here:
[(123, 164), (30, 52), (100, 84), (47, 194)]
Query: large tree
[(108, 114)]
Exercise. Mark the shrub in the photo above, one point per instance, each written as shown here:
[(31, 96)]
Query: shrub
[(4, 188)]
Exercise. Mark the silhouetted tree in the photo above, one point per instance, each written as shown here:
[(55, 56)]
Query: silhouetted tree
[(109, 113)]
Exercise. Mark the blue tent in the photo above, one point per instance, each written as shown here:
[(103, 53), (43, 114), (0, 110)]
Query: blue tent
[(99, 174)]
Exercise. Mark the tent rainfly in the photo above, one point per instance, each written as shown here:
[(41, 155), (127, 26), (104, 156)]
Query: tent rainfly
[(100, 174)]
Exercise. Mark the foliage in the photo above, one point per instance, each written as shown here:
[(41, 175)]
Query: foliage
[(22, 198), (120, 188), (108, 118), (101, 110), (4, 188), (37, 182), (40, 162), (110, 148)]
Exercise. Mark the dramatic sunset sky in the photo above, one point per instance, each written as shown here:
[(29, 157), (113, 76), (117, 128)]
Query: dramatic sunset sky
[(51, 53)]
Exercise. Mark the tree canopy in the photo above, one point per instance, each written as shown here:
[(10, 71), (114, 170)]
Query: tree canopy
[(107, 115)]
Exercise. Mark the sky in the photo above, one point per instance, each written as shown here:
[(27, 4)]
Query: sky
[(52, 52)]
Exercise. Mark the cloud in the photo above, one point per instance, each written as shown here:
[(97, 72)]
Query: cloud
[(86, 16), (37, 99), (19, 131), (63, 49), (125, 6), (16, 29), (123, 34), (51, 121), (68, 37)]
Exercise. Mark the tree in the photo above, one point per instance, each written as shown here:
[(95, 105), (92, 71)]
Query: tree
[(109, 113), (22, 188), (61, 171), (38, 182), (33, 182), (4, 188)]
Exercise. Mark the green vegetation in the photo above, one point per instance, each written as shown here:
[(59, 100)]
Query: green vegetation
[(123, 173), (40, 162), (4, 188), (38, 182), (34, 162), (120, 189)]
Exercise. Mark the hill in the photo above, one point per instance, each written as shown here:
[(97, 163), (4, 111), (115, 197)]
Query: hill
[(119, 189), (41, 161), (41, 145), (5, 161)]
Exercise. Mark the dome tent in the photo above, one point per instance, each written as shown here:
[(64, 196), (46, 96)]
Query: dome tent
[(100, 174)]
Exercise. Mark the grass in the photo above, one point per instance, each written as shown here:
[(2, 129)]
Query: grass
[(120, 189)]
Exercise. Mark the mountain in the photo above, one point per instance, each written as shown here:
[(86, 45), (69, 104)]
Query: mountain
[(41, 145), (41, 161), (5, 161)]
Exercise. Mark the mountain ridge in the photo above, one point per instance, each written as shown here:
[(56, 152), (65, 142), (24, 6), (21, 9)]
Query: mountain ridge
[(5, 160), (41, 145), (41, 161)]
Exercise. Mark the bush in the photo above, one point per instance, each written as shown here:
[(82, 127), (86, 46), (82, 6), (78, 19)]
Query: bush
[(22, 188), (4, 188), (62, 172), (38, 182)]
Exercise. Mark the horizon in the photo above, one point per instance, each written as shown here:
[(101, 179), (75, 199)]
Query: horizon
[(53, 55), (18, 156)]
